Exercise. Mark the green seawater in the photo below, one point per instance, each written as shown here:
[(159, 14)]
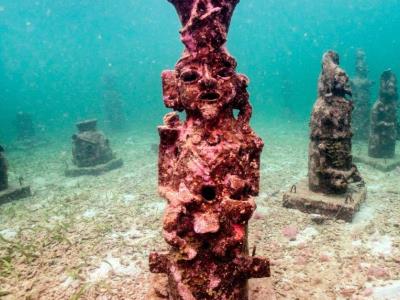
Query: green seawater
[(89, 237), (53, 55)]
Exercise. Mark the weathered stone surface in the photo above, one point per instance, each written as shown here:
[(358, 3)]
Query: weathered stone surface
[(361, 88), (339, 206), (330, 162), (383, 134), (259, 288), (208, 164), (89, 146), (334, 188)]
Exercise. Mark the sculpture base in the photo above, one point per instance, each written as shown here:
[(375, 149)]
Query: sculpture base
[(381, 164), (342, 206), (14, 193), (96, 170), (259, 288)]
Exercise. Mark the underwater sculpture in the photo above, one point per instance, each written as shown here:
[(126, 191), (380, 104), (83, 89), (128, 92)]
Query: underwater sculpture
[(3, 170), (27, 137), (381, 150), (334, 187), (330, 161), (24, 126), (383, 133), (208, 164), (91, 151), (361, 88), (113, 104), (9, 192)]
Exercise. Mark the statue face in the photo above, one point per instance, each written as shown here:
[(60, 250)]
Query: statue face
[(207, 83), (389, 85)]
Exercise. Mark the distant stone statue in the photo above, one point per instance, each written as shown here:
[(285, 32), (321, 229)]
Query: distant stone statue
[(3, 170), (361, 88), (27, 137), (91, 151), (113, 104), (383, 133), (334, 187), (330, 161), (90, 147), (24, 126)]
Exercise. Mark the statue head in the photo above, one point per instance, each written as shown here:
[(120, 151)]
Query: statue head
[(204, 84), (204, 81), (361, 64), (333, 80), (388, 88)]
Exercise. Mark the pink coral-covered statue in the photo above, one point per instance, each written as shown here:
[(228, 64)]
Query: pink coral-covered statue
[(208, 164)]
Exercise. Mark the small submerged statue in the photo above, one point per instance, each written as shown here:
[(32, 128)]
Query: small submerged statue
[(361, 88), (208, 164), (10, 192), (3, 170), (334, 187), (113, 104), (27, 137), (24, 126), (91, 151), (383, 133), (330, 161)]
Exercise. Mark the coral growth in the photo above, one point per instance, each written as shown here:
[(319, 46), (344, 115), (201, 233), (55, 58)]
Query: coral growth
[(208, 164), (330, 160)]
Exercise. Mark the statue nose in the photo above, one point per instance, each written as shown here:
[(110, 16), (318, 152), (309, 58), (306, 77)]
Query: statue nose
[(208, 83)]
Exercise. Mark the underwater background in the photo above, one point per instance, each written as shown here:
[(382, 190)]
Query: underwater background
[(53, 54), (89, 237)]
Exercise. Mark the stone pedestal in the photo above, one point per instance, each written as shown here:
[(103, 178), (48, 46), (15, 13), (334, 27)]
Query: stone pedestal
[(96, 170), (259, 288), (14, 193), (339, 206), (381, 164)]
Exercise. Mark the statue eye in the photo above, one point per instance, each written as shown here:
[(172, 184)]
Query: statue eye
[(225, 73), (190, 76)]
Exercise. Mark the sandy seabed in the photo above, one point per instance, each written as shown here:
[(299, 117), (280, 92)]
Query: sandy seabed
[(89, 237)]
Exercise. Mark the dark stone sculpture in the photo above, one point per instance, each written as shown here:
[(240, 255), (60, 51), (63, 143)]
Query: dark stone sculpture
[(334, 188), (208, 164), (8, 191), (91, 151), (382, 140), (90, 146), (361, 88), (330, 161), (113, 104), (3, 170), (24, 126)]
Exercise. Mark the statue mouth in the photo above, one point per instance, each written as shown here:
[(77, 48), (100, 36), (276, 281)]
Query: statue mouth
[(209, 96)]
